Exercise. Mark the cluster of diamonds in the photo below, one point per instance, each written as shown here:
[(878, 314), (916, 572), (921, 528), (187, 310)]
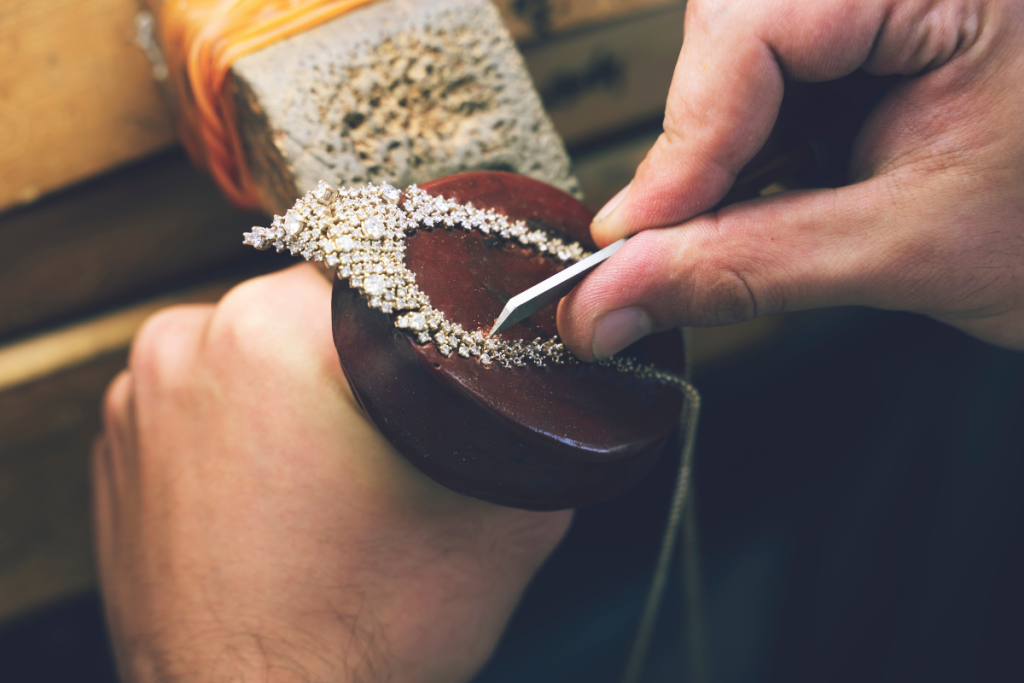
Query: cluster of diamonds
[(361, 232)]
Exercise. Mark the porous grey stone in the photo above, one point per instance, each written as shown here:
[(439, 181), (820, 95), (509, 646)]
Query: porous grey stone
[(402, 91)]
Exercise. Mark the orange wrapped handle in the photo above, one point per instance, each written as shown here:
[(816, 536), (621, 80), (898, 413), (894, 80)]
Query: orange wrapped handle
[(201, 39)]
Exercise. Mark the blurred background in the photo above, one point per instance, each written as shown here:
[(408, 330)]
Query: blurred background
[(858, 472)]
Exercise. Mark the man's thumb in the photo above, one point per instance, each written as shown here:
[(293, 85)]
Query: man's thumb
[(786, 252)]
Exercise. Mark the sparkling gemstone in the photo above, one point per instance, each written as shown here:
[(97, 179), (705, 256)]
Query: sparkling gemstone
[(256, 238), (374, 285), (373, 228), (345, 271), (331, 260), (423, 337), (292, 223), (418, 322), (440, 204), (391, 194), (345, 243), (323, 192)]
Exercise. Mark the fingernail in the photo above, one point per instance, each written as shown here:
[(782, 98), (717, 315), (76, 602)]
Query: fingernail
[(618, 329), (607, 209)]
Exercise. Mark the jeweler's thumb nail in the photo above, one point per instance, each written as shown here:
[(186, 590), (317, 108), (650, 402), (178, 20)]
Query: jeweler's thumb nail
[(612, 204), (618, 329)]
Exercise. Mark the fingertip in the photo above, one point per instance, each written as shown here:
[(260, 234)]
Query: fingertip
[(609, 208), (617, 329), (608, 225)]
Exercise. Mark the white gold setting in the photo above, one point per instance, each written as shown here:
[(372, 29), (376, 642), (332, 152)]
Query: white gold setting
[(361, 232)]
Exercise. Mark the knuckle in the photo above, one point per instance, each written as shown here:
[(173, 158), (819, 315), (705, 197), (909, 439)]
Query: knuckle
[(725, 295), (164, 345), (263, 309), (117, 401), (240, 317), (716, 289)]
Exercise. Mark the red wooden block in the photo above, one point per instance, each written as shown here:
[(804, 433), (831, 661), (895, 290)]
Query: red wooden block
[(537, 438)]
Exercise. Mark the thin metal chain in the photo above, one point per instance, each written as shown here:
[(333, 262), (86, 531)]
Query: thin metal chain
[(679, 504)]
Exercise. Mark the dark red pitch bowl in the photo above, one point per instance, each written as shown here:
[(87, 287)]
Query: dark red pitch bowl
[(535, 438)]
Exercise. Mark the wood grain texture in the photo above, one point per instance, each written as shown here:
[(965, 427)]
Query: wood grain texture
[(46, 429), (76, 96), (533, 19), (54, 351), (120, 236), (614, 76)]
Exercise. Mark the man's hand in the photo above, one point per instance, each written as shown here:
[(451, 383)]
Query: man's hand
[(252, 525), (934, 222)]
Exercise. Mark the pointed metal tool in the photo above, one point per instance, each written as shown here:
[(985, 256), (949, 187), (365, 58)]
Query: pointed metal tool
[(549, 291)]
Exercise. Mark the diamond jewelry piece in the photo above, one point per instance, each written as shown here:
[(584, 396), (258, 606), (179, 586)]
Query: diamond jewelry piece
[(363, 229), (292, 223)]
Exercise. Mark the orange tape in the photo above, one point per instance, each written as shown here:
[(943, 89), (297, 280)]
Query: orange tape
[(201, 39)]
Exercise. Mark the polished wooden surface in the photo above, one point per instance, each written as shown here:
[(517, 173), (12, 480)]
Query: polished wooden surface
[(546, 438)]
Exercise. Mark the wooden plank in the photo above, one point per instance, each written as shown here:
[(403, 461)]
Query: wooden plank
[(120, 236), (46, 429), (533, 19), (49, 353), (600, 81), (77, 96)]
